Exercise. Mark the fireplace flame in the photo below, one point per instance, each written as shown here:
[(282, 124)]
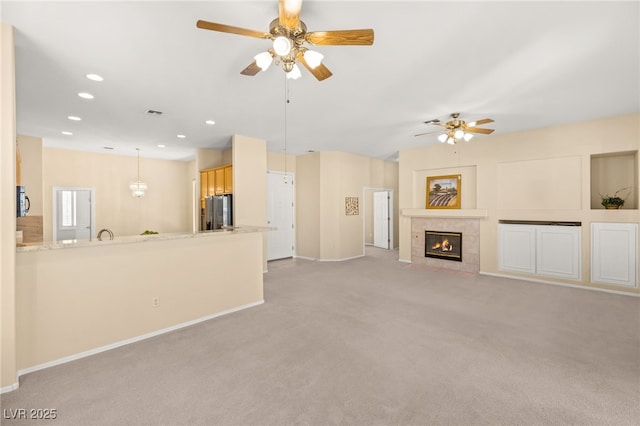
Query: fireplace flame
[(445, 245)]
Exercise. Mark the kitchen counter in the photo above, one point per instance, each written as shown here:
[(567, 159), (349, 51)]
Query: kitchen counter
[(78, 298), (129, 239)]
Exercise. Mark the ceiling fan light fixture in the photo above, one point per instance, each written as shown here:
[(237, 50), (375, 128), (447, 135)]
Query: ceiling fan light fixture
[(451, 141), (295, 73), (467, 137), (458, 134), (263, 60), (282, 45), (313, 58), (443, 138)]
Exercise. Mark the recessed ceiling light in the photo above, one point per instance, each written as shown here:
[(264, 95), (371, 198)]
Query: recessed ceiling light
[(74, 118), (67, 133), (181, 136), (94, 77), (161, 146), (85, 95), (210, 122)]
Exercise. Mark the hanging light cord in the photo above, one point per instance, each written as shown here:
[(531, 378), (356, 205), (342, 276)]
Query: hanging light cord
[(286, 103)]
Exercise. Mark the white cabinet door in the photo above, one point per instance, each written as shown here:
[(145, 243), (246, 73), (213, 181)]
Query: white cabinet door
[(558, 251), (517, 249), (614, 253)]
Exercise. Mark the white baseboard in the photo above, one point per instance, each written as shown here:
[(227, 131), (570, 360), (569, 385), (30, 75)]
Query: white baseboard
[(541, 281), (341, 260), (305, 258), (10, 388), (128, 342)]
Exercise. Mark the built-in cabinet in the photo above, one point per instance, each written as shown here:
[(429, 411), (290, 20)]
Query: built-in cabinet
[(217, 181), (550, 250), (614, 253)]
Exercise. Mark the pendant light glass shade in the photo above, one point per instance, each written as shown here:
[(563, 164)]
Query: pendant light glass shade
[(138, 187), (467, 136), (442, 138)]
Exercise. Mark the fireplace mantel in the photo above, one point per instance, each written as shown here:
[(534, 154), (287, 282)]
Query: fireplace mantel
[(446, 213)]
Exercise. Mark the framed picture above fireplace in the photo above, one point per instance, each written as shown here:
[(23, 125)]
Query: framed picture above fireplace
[(443, 192)]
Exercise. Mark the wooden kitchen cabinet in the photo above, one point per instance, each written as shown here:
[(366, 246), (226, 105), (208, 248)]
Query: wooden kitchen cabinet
[(228, 179), (219, 186), (203, 185), (211, 182), (217, 181)]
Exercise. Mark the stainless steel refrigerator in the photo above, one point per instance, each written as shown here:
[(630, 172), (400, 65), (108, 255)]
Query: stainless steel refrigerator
[(218, 212)]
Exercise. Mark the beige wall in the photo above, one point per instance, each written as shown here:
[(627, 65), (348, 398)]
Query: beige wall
[(308, 205), (166, 206), (325, 179), (113, 286), (277, 162), (31, 172), (250, 184), (8, 368), (542, 174)]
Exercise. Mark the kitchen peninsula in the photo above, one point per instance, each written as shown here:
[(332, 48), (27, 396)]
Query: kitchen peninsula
[(78, 298)]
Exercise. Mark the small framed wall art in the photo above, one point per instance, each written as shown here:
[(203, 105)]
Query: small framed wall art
[(351, 207), (443, 192)]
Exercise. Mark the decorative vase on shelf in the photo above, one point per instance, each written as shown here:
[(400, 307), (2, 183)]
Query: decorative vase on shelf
[(614, 202)]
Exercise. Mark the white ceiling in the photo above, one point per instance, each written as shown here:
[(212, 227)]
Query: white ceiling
[(525, 64)]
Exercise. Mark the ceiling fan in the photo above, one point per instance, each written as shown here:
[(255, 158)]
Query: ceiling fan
[(289, 35), (457, 129)]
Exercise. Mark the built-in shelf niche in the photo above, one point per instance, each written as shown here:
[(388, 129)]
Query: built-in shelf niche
[(611, 172)]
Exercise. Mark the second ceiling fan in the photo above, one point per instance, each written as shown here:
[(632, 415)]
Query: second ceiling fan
[(289, 35), (457, 129)]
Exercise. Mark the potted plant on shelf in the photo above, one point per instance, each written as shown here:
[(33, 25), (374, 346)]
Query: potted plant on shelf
[(614, 201)]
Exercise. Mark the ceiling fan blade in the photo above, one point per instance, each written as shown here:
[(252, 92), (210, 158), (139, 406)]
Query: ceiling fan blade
[(341, 37), (479, 122), (289, 13), (426, 133), (206, 25), (251, 69), (433, 121), (478, 130), (321, 72)]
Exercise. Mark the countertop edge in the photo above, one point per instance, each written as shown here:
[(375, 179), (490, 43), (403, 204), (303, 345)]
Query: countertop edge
[(132, 239)]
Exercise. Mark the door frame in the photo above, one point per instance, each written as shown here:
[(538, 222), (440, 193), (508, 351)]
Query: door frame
[(364, 217), (54, 208)]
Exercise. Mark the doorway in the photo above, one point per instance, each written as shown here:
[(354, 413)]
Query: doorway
[(280, 215), (73, 213), (378, 216)]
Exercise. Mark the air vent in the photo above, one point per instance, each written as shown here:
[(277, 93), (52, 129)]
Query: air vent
[(153, 112)]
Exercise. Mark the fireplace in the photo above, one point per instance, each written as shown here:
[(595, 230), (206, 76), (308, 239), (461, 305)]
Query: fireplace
[(443, 245)]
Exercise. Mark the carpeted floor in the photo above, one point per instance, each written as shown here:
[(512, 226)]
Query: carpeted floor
[(369, 341)]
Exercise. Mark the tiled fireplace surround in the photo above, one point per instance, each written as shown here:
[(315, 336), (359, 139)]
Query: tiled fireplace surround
[(470, 228)]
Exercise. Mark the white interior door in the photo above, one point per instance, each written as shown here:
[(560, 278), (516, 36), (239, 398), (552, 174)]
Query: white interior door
[(73, 217), (280, 208), (381, 219)]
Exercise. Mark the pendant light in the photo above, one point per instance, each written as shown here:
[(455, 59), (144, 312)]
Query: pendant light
[(138, 187)]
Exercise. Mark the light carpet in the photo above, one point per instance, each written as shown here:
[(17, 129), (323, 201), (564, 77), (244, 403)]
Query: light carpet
[(369, 341)]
